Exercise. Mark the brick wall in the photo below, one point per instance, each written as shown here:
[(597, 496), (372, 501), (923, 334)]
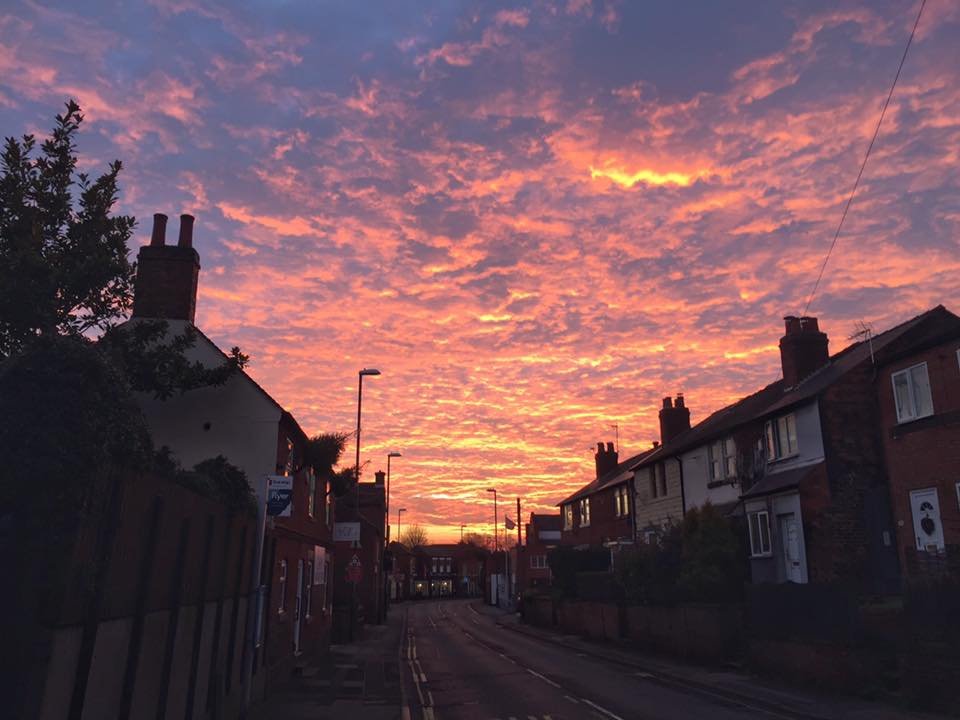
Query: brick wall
[(924, 453), (604, 524)]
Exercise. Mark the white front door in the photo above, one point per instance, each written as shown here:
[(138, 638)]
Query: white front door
[(298, 609), (926, 520), (790, 541)]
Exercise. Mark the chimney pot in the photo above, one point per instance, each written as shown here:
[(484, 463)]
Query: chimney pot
[(599, 447), (159, 234), (186, 231), (809, 325), (656, 444), (668, 402), (606, 458), (610, 447), (679, 401), (791, 324)]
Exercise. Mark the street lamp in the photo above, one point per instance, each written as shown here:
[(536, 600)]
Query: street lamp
[(462, 526), (496, 537), (356, 470), (399, 510), (389, 456)]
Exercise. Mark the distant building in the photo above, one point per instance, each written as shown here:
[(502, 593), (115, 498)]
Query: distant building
[(542, 536)]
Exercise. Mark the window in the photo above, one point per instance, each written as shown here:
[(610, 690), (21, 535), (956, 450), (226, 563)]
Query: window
[(911, 390), (585, 512), (326, 503), (759, 533), (723, 459), (781, 437), (538, 562), (621, 498), (312, 493), (283, 587), (568, 517)]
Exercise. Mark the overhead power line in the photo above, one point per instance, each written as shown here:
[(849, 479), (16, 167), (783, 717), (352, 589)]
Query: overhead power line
[(866, 157)]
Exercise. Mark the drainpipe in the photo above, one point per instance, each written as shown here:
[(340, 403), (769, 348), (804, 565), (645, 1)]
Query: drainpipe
[(683, 497)]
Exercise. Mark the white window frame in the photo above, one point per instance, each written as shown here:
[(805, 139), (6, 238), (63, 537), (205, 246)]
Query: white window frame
[(722, 454), (283, 587), (776, 431), (756, 515), (958, 495), (568, 516), (903, 417), (538, 562), (585, 512), (622, 501)]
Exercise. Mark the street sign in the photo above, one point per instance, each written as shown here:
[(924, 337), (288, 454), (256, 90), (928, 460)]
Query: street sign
[(346, 532), (354, 570), (279, 496)]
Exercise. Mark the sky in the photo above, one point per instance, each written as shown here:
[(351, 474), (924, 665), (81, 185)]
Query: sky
[(536, 219)]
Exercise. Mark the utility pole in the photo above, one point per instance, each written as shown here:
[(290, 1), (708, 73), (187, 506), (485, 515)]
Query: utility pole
[(519, 549)]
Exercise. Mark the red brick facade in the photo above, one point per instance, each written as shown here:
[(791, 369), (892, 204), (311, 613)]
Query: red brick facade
[(924, 453)]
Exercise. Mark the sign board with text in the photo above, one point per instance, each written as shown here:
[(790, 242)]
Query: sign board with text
[(279, 496), (346, 532)]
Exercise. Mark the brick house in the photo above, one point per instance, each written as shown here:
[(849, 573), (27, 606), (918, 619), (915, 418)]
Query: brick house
[(242, 422), (365, 600), (804, 458), (918, 391), (542, 535), (600, 514)]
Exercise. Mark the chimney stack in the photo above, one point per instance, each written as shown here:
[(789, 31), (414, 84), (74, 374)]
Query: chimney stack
[(803, 349), (674, 418), (380, 475), (606, 458), (167, 275)]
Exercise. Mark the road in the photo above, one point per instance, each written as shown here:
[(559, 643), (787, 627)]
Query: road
[(459, 664)]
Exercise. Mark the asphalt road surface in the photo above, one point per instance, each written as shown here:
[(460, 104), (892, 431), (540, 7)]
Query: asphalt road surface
[(460, 665)]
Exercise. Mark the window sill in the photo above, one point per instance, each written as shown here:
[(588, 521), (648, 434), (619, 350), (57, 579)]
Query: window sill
[(792, 456), (762, 556), (731, 481)]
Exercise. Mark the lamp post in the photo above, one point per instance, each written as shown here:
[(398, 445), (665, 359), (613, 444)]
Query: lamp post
[(356, 470), (496, 536), (399, 510), (389, 456), (462, 526)]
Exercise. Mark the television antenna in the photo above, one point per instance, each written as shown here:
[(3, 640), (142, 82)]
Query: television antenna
[(864, 331)]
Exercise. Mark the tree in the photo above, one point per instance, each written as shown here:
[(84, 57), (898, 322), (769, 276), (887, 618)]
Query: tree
[(486, 541), (63, 269), (414, 537)]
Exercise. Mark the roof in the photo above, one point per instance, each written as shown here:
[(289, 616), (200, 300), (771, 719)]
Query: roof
[(775, 397), (780, 481), (623, 472)]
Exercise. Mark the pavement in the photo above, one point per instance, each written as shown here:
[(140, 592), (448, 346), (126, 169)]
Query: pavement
[(359, 681)]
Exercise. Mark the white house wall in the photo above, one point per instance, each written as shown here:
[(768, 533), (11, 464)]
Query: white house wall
[(243, 421), (696, 477)]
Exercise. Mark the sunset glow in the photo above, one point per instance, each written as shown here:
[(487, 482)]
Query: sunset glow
[(535, 220)]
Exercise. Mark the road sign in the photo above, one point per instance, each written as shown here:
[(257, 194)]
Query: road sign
[(346, 532), (354, 570), (279, 496)]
